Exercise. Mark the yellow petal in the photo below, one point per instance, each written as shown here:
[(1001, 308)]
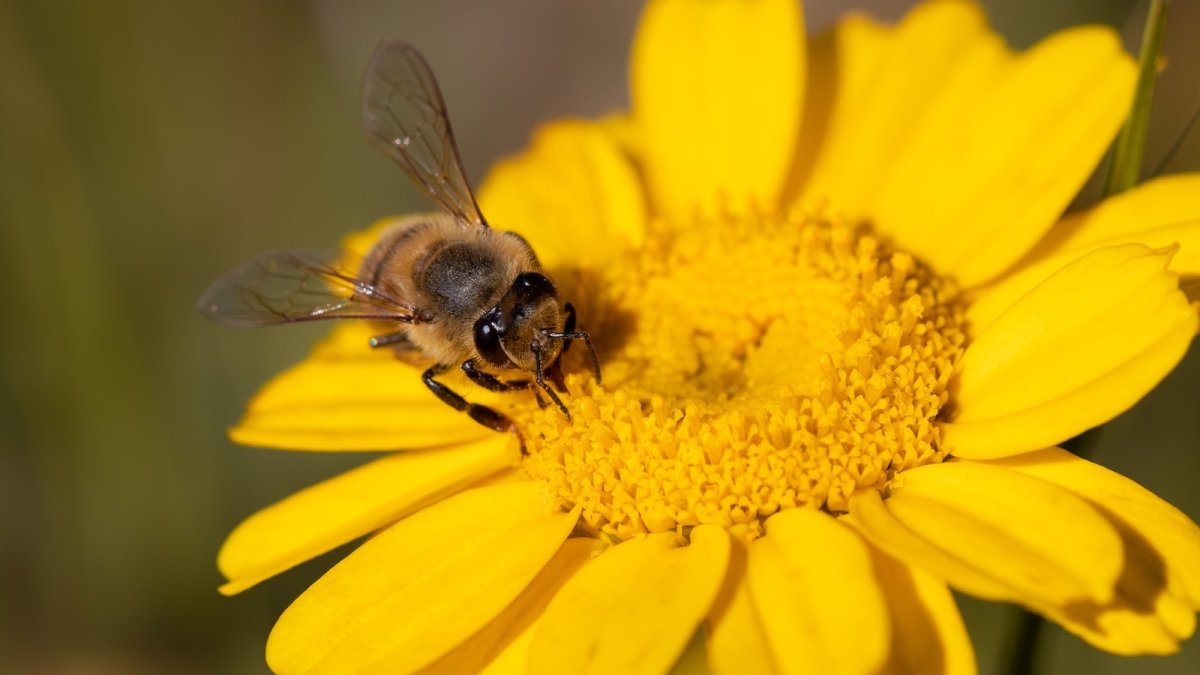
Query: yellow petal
[(1138, 214), (1074, 352), (1150, 612), (994, 300), (716, 90), (928, 635), (1038, 543), (634, 609), (995, 533), (821, 605), (513, 628), (1173, 535), (515, 657), (338, 510), (887, 90), (1144, 616), (1160, 213), (841, 64), (1111, 626), (422, 586), (997, 156), (1119, 628), (347, 396), (737, 642), (871, 517), (572, 194)]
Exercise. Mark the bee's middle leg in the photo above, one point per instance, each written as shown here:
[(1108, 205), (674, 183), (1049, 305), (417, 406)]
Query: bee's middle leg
[(482, 414)]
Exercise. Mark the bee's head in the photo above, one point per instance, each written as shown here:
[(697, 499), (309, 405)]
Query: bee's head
[(512, 334)]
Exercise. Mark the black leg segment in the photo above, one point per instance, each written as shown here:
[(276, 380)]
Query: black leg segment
[(540, 374), (489, 381), (480, 413), (569, 333)]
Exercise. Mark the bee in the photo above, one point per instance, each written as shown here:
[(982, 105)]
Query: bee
[(459, 293)]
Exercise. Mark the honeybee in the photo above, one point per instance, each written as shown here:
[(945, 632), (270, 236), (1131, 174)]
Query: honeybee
[(460, 293)]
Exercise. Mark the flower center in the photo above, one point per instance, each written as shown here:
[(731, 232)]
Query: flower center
[(749, 366)]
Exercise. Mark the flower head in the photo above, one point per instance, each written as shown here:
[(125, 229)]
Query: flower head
[(843, 325)]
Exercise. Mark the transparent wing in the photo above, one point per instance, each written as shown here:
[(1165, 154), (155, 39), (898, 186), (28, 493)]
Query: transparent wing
[(403, 111), (289, 286)]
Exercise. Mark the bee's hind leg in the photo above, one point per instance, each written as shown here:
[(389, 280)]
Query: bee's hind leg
[(482, 414), (398, 339), (401, 347)]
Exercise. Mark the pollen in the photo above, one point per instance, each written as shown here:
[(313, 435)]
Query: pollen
[(751, 365)]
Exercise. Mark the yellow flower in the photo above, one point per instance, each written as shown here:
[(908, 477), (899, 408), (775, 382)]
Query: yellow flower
[(843, 325)]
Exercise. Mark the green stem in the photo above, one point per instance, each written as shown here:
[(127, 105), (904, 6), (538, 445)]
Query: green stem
[(1026, 635), (1130, 148)]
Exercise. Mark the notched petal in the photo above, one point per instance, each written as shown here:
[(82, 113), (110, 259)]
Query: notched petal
[(1075, 351), (716, 90), (635, 608), (340, 509), (418, 589)]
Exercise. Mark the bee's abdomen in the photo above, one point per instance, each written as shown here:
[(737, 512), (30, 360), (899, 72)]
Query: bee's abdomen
[(392, 254), (381, 258)]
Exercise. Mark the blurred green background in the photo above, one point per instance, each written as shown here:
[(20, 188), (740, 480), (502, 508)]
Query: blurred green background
[(146, 147)]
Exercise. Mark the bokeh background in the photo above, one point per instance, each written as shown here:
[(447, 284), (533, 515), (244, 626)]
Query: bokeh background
[(146, 147)]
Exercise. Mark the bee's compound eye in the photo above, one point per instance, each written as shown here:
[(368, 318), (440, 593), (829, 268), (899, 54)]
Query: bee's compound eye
[(533, 285), (487, 339)]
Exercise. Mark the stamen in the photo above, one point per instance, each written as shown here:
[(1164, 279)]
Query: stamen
[(751, 365)]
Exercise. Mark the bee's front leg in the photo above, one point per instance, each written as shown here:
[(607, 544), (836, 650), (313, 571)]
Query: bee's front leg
[(489, 381), (568, 334), (492, 383), (482, 414)]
